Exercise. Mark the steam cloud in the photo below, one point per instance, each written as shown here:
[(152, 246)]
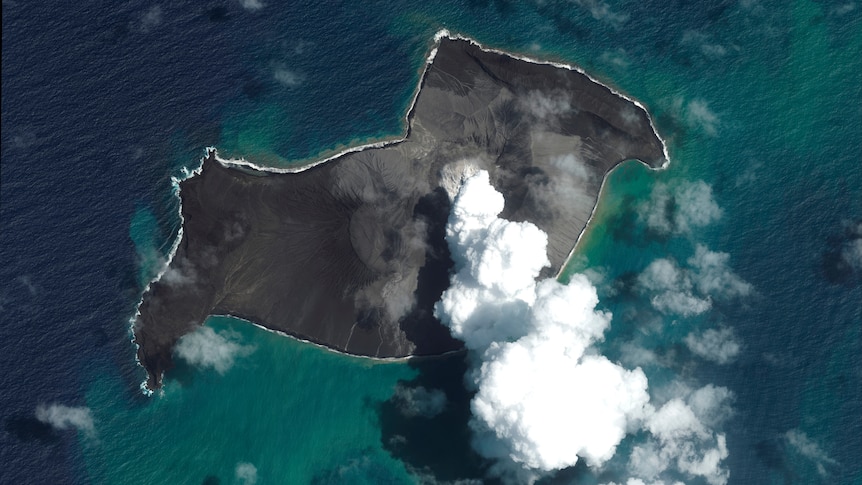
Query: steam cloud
[(544, 396), (206, 348), (65, 417), (696, 114), (719, 346), (806, 447), (419, 401), (672, 289), (251, 5), (679, 209), (602, 11), (246, 473), (548, 107), (151, 19), (287, 77), (852, 250), (689, 291)]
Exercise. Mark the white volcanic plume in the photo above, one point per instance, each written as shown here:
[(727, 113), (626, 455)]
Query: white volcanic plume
[(543, 398), (66, 417)]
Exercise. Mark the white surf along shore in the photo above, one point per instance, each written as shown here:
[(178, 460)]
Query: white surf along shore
[(246, 164)]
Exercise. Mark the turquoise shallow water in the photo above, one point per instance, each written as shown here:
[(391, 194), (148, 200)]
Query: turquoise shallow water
[(299, 413), (759, 100)]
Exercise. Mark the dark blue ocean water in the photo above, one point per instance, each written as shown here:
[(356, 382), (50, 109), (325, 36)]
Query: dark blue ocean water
[(102, 102)]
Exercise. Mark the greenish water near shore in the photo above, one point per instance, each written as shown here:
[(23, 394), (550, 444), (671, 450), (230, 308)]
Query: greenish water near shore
[(298, 412)]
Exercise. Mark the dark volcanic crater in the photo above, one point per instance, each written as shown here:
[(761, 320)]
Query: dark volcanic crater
[(351, 253)]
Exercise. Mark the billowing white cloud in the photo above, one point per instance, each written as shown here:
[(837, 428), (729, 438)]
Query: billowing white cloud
[(545, 398), (542, 408), (719, 346), (246, 473), (679, 209), (542, 400), (206, 348), (805, 446), (420, 401), (481, 306), (66, 417)]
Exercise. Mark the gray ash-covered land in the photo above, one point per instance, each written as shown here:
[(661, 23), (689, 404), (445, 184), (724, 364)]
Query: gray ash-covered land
[(351, 253)]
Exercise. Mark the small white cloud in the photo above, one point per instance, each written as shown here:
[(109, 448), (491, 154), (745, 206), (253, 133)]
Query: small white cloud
[(680, 209), (682, 437), (205, 348), (698, 114), (672, 289), (713, 276), (719, 346), (545, 106), (602, 11), (634, 355), (179, 274), (151, 19), (617, 58), (806, 447), (842, 9), (695, 114), (287, 77), (680, 303), (657, 211), (851, 253), (750, 174), (246, 473), (65, 417), (696, 207), (27, 281), (702, 41), (419, 401), (252, 5), (711, 404)]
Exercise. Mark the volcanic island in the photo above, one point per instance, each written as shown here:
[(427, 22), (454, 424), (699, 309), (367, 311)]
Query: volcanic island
[(351, 254)]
